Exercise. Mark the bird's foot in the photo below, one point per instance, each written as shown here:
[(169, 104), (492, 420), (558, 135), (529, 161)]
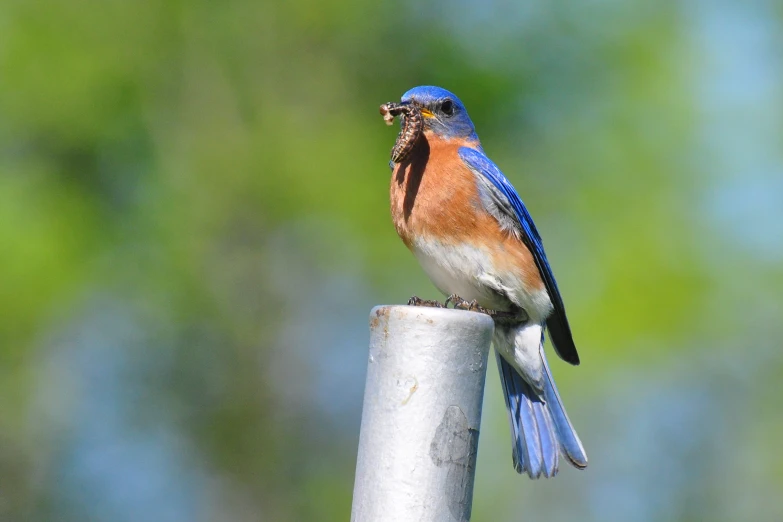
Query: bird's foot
[(461, 304), (417, 301), (515, 316)]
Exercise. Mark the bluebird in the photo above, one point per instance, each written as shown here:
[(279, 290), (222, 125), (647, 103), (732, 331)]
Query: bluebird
[(471, 233)]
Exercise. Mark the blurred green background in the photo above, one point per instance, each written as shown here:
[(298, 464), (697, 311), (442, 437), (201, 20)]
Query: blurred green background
[(194, 225)]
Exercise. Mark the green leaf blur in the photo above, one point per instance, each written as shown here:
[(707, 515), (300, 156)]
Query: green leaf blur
[(194, 225)]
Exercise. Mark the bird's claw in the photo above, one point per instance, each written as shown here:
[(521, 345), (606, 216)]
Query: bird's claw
[(454, 299), (461, 304), (417, 301)]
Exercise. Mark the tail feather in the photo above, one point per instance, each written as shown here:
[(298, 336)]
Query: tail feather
[(570, 444), (535, 447), (540, 428), (549, 443), (527, 449), (512, 408)]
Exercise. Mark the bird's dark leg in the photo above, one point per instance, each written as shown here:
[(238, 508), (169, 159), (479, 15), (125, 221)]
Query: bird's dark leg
[(510, 318), (417, 301)]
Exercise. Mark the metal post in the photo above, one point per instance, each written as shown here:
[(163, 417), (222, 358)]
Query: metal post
[(421, 415)]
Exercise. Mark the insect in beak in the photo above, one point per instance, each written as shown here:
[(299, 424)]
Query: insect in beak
[(412, 126)]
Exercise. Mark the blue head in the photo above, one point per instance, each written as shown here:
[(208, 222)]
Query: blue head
[(443, 113)]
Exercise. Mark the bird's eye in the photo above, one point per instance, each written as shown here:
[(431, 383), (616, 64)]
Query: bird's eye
[(447, 107)]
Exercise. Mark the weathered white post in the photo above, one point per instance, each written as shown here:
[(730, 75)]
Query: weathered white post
[(421, 415)]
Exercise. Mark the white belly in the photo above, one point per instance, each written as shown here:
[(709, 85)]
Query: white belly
[(469, 272)]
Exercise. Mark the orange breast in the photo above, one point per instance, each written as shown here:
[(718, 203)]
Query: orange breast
[(434, 196)]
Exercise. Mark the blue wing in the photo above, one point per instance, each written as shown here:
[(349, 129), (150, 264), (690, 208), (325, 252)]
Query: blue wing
[(507, 201)]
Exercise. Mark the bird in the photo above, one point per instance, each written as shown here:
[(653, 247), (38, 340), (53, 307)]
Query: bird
[(475, 239)]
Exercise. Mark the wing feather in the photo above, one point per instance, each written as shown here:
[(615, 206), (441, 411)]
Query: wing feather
[(504, 203)]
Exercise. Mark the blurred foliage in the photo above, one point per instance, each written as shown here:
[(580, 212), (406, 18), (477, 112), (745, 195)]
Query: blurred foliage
[(194, 223)]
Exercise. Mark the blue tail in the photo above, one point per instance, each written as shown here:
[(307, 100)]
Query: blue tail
[(540, 428)]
